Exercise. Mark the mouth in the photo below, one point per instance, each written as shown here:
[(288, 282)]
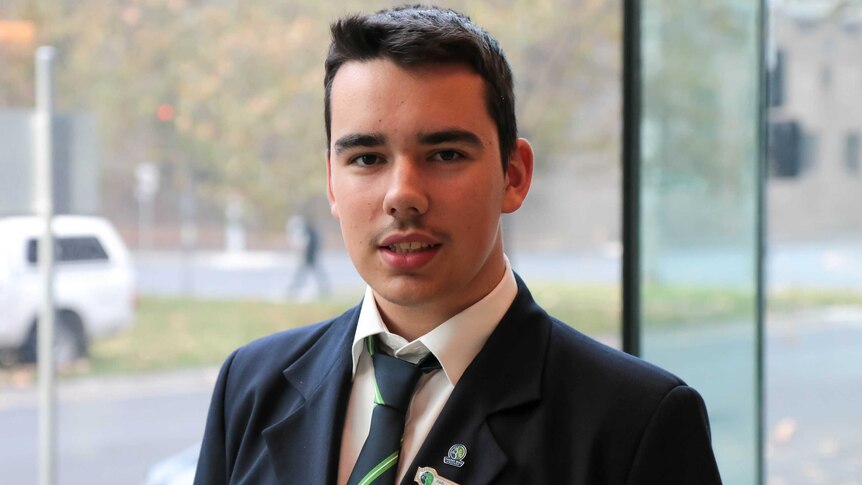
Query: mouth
[(409, 252), (410, 247)]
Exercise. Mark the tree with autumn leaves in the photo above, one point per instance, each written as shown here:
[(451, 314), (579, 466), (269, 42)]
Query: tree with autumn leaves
[(227, 96)]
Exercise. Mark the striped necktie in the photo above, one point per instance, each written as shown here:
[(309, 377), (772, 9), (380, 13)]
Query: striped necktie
[(395, 381)]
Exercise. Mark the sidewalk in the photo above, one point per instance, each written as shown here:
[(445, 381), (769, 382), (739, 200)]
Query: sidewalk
[(18, 389)]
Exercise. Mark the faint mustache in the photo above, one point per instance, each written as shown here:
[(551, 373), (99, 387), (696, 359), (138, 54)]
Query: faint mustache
[(402, 224), (406, 225)]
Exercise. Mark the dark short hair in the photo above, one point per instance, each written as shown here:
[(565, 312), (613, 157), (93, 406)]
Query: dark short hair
[(415, 35)]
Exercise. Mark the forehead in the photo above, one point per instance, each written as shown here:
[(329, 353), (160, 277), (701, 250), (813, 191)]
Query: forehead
[(378, 94)]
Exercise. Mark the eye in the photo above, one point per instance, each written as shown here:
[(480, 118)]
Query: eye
[(447, 156), (366, 160)]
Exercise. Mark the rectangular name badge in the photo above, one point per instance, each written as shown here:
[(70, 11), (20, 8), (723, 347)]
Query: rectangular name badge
[(428, 476)]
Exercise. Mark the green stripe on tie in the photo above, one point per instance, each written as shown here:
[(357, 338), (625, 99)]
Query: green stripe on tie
[(378, 398), (381, 468)]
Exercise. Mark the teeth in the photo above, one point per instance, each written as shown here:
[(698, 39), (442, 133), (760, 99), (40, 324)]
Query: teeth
[(409, 247)]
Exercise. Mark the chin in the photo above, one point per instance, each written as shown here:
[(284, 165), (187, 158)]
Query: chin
[(407, 293)]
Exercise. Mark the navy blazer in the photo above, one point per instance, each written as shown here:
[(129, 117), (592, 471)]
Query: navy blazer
[(540, 404)]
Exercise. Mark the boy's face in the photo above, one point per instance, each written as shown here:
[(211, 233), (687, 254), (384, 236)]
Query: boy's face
[(416, 182)]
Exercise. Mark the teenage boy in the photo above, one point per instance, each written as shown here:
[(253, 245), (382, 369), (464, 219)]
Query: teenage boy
[(448, 371)]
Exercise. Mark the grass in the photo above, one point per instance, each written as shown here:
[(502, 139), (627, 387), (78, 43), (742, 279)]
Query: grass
[(794, 300), (172, 333)]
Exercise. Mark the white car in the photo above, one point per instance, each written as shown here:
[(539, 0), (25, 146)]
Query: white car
[(94, 285)]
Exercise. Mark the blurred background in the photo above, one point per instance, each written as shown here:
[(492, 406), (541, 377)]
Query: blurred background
[(190, 134)]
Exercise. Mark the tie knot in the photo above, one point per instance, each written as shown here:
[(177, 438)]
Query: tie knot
[(396, 378)]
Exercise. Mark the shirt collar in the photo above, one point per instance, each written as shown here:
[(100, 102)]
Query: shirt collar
[(455, 342)]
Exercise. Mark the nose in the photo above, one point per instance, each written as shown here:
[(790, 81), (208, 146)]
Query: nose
[(405, 195)]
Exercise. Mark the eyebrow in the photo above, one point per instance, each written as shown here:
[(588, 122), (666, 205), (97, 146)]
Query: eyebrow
[(347, 142), (450, 136), (369, 140)]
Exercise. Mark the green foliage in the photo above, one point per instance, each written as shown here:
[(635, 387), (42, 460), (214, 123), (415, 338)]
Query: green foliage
[(245, 81), (692, 59)]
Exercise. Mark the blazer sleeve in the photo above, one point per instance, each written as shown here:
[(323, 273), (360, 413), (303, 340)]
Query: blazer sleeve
[(676, 447), (213, 464)]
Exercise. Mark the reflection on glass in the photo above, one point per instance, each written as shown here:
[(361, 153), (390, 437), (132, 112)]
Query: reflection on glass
[(197, 130), (699, 211), (814, 336)]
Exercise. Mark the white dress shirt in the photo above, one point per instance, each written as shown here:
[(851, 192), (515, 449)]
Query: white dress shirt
[(455, 343)]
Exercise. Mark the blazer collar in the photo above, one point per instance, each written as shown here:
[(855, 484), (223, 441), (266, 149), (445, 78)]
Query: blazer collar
[(311, 431), (505, 374)]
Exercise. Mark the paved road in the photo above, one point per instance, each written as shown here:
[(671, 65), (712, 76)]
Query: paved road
[(112, 429), (813, 365), (266, 275), (814, 397)]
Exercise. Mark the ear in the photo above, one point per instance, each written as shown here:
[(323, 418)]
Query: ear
[(519, 175), (333, 207)]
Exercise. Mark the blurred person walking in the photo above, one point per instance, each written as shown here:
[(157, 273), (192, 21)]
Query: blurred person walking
[(304, 236)]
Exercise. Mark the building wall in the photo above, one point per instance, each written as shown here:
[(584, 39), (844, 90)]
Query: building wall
[(822, 71)]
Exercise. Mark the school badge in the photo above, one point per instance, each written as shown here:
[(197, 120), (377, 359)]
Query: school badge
[(428, 476), (456, 455)]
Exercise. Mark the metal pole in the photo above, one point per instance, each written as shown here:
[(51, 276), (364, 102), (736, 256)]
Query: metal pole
[(763, 13), (45, 208), (631, 271)]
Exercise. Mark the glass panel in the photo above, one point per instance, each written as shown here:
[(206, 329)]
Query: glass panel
[(814, 319), (196, 128), (698, 234)]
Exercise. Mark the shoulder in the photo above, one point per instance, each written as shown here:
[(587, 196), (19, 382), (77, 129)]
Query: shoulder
[(580, 362), (604, 369), (617, 399), (613, 414), (571, 349), (264, 360)]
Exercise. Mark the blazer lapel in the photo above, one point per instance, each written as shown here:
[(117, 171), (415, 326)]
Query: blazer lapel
[(506, 373), (304, 446)]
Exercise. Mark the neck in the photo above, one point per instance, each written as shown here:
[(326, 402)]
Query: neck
[(414, 321), (414, 329)]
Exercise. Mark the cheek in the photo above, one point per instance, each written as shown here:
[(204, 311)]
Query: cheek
[(354, 200), (484, 208), (356, 222)]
